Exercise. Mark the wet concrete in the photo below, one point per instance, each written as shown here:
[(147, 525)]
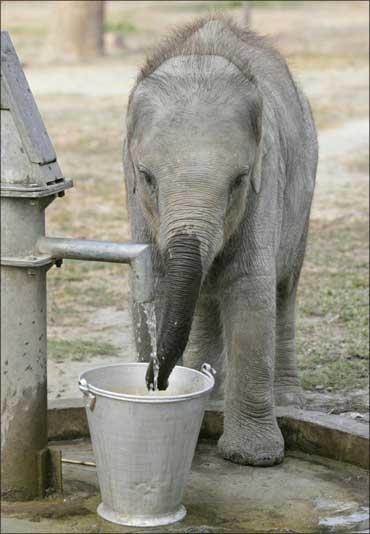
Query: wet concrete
[(306, 493)]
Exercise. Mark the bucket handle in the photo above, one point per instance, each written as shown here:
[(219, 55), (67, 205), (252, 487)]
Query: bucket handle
[(208, 370), (90, 399)]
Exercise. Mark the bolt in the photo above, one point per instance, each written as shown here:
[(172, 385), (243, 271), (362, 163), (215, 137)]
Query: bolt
[(58, 263), (61, 194)]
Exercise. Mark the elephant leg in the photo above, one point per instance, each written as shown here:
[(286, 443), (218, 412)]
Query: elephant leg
[(251, 434), (287, 388), (206, 342)]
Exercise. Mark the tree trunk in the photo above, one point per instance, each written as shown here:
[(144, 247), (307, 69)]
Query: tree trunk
[(247, 8), (76, 31)]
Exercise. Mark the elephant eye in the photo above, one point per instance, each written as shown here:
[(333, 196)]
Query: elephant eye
[(147, 176), (238, 180)]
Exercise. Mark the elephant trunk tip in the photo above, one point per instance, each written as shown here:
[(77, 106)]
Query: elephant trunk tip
[(155, 379), (181, 286)]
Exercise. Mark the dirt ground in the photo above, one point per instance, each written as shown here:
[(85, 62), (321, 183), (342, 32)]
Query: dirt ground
[(83, 106)]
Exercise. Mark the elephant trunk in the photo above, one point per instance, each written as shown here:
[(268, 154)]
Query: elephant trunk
[(182, 283)]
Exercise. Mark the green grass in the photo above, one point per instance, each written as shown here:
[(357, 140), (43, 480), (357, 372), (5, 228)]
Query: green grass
[(276, 4), (120, 26), (333, 323), (226, 5), (60, 350)]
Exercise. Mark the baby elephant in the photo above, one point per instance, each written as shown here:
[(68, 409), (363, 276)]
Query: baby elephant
[(220, 161)]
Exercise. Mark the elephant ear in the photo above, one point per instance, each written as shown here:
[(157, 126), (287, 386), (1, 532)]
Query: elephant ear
[(257, 167), (129, 169)]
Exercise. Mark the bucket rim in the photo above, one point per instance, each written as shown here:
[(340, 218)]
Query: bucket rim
[(87, 389)]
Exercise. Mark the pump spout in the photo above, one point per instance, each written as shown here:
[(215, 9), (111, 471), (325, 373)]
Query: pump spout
[(143, 281), (137, 255)]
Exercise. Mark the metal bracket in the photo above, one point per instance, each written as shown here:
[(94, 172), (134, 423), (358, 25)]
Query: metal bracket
[(50, 476), (30, 261), (35, 192), (90, 398), (208, 370)]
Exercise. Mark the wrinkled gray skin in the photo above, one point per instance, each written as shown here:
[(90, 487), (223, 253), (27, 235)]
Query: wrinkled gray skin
[(220, 170)]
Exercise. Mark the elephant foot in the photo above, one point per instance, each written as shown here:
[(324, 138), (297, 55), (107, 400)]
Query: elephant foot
[(289, 396), (258, 444)]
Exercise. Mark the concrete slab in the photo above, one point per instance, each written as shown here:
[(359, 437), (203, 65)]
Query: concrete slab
[(332, 436), (306, 493)]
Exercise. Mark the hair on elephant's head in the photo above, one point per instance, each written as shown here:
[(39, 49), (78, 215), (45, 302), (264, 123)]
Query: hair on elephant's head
[(194, 141)]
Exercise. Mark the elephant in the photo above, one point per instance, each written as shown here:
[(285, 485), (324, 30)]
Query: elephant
[(220, 158)]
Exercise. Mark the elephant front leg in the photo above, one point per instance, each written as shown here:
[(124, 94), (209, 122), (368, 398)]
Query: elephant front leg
[(251, 434), (287, 387), (206, 342)]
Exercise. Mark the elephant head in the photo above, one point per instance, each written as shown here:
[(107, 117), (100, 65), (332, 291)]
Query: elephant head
[(194, 139)]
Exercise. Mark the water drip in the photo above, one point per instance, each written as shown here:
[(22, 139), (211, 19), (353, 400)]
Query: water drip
[(149, 308)]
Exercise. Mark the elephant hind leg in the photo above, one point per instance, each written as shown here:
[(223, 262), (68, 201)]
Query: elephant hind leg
[(287, 388), (206, 342)]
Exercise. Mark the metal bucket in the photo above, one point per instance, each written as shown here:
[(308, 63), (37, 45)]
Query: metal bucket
[(144, 442)]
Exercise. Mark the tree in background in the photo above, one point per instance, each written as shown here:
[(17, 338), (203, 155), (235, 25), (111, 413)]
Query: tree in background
[(76, 31), (247, 8)]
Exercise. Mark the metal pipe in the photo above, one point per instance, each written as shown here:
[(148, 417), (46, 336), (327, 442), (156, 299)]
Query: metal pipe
[(137, 255), (23, 350), (83, 249), (78, 462)]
